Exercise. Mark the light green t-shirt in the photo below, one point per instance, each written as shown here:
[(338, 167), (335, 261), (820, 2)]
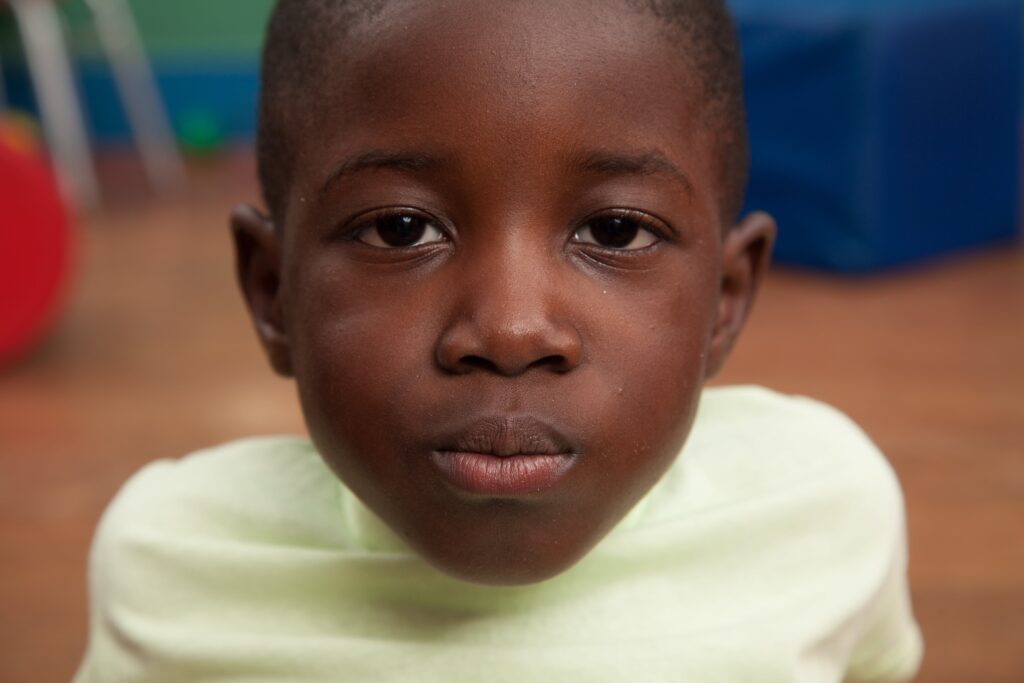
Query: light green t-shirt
[(773, 551)]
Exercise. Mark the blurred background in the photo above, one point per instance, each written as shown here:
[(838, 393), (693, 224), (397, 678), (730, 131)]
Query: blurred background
[(886, 138)]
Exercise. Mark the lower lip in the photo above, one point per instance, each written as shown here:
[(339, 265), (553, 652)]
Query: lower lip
[(501, 476)]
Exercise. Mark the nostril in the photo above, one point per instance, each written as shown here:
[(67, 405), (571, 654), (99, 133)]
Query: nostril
[(556, 362), (477, 362)]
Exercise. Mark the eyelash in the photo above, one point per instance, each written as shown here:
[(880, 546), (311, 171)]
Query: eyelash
[(375, 219), (644, 221)]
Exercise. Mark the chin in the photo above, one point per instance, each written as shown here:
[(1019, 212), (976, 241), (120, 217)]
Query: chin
[(506, 575), (507, 559)]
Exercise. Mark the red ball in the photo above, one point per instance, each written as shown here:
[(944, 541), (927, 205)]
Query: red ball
[(35, 250)]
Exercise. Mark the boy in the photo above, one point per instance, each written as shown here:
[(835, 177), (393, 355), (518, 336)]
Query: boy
[(500, 262)]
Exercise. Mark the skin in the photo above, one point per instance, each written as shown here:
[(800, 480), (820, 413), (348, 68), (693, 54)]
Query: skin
[(505, 138)]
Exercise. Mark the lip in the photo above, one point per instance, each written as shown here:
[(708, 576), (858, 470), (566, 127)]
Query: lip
[(504, 457)]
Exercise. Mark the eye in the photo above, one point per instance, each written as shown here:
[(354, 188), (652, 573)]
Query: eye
[(399, 230), (624, 232)]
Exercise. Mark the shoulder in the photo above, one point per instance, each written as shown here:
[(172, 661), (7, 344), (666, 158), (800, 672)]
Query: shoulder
[(261, 491), (245, 463), (753, 451), (792, 491), (763, 438), (790, 426), (186, 544)]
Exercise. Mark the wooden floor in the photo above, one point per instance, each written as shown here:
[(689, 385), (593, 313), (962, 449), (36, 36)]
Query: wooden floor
[(155, 358)]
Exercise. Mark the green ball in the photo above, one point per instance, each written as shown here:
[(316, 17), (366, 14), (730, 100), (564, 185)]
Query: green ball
[(200, 132)]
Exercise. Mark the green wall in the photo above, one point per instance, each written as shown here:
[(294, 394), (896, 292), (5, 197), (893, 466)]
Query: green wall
[(173, 30)]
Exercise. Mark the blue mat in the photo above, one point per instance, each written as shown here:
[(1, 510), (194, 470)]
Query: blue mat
[(883, 133)]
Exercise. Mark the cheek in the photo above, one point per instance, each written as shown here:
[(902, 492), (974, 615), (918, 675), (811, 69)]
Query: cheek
[(651, 346), (359, 351)]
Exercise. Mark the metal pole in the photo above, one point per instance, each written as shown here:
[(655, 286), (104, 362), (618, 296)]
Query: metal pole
[(63, 122)]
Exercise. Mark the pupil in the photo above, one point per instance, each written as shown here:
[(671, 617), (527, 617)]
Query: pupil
[(614, 231), (401, 231)]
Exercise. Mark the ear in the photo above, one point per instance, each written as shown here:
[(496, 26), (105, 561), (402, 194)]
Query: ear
[(745, 255), (258, 265)]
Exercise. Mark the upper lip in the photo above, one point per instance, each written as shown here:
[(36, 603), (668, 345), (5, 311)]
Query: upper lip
[(507, 436)]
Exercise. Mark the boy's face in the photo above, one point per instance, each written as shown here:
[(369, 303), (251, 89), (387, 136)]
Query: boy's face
[(502, 279)]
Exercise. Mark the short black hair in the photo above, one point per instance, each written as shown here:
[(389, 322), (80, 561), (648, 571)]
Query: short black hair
[(300, 31)]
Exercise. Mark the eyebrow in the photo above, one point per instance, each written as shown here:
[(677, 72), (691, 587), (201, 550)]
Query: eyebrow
[(380, 159), (649, 163)]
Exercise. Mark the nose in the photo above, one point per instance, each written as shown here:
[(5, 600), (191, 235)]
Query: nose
[(507, 322)]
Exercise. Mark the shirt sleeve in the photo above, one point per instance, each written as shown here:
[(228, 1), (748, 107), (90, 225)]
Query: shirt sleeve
[(111, 653), (890, 648)]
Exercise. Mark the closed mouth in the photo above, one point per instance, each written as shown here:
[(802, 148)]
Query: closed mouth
[(504, 457), (508, 436)]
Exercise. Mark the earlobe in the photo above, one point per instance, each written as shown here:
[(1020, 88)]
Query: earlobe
[(746, 252), (258, 267)]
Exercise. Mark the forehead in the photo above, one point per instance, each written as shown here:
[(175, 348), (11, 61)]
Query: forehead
[(521, 51), (526, 83)]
